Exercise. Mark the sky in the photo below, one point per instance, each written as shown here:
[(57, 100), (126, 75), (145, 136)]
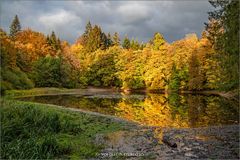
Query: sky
[(136, 19)]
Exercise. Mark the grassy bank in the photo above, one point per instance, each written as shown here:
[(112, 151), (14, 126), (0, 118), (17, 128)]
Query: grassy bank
[(35, 91), (37, 131)]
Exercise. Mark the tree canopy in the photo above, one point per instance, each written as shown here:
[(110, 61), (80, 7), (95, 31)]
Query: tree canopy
[(209, 62)]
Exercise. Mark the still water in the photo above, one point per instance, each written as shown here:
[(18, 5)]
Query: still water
[(172, 110)]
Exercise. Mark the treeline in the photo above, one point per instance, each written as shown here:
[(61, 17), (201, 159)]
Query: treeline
[(31, 59)]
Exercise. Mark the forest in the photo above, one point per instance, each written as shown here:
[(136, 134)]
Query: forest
[(31, 59), (102, 94)]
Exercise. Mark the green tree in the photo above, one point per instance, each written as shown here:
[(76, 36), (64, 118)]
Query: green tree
[(175, 80), (126, 43), (134, 44), (94, 41), (109, 41), (116, 39), (87, 31), (226, 19), (142, 45), (46, 72), (196, 77), (104, 41), (158, 41), (84, 37), (103, 71), (15, 26), (54, 41), (88, 28)]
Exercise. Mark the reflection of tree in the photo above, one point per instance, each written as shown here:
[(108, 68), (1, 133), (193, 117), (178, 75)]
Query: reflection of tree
[(153, 111), (221, 111), (176, 110), (171, 110), (179, 107), (101, 105), (195, 110), (210, 111)]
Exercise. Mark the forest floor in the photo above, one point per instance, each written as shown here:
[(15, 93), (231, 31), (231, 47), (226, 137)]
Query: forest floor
[(116, 138)]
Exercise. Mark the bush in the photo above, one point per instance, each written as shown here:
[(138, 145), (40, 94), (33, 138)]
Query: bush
[(5, 86), (46, 72), (96, 83), (15, 79)]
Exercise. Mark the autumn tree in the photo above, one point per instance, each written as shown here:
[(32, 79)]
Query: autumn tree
[(157, 69), (31, 45), (70, 68), (8, 51), (12, 77), (130, 67), (97, 59), (15, 26)]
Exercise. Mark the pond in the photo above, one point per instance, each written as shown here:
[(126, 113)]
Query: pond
[(163, 110)]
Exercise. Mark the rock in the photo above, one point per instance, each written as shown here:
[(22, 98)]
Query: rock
[(169, 142)]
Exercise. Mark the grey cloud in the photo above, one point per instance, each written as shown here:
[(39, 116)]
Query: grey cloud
[(140, 19)]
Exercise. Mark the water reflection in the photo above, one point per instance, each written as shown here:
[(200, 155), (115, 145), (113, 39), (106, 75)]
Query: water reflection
[(171, 110)]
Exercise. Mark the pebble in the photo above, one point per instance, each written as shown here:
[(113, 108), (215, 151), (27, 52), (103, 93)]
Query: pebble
[(186, 149), (188, 154), (169, 152), (195, 143)]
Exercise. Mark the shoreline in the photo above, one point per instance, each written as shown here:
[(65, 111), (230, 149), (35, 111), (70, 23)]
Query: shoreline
[(231, 95), (228, 95), (153, 141)]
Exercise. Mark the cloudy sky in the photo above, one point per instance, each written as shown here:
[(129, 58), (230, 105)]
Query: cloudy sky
[(139, 19)]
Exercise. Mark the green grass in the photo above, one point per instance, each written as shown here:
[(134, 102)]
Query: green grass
[(35, 91), (38, 131)]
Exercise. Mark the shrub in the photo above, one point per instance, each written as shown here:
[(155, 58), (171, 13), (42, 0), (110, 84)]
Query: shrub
[(15, 79)]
